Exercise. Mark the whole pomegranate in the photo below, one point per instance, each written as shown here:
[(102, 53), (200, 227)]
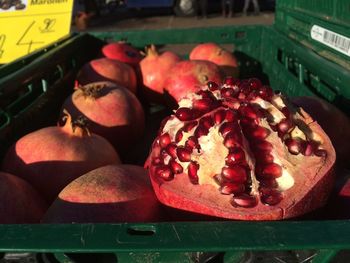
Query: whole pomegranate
[(188, 76), (52, 157), (110, 194), (104, 69), (239, 151), (123, 52), (154, 69), (218, 55), (332, 120), (20, 203), (113, 112)]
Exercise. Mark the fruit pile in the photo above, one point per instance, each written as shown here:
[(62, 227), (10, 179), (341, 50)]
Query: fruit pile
[(229, 148)]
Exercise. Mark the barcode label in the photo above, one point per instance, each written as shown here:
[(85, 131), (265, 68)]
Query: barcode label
[(331, 39)]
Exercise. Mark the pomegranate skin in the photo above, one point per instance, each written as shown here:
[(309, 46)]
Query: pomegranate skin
[(188, 76), (20, 203), (104, 69), (249, 156), (154, 69), (52, 157), (123, 52), (113, 112), (218, 55), (332, 120), (109, 194)]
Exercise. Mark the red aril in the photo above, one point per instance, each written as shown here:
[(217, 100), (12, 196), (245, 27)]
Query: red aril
[(109, 194), (104, 69), (218, 55), (52, 157), (154, 69), (20, 203), (332, 120), (242, 166), (123, 52), (188, 76), (113, 112)]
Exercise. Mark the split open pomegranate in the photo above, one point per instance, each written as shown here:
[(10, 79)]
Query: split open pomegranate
[(241, 151)]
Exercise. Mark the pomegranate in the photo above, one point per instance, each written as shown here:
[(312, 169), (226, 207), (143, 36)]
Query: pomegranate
[(113, 112), (218, 55), (109, 194), (154, 69), (332, 120), (240, 151), (104, 69), (52, 157), (123, 52), (20, 203), (189, 75)]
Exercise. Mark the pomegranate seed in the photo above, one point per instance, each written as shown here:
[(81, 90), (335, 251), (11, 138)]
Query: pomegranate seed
[(171, 150), (307, 149), (230, 116), (228, 92), (219, 179), (203, 105), (185, 114), (271, 170), (219, 116), (271, 197), (207, 122), (285, 125), (263, 157), (268, 183), (230, 81), (212, 85), (235, 156), (189, 126), (255, 83), (227, 127), (184, 154), (175, 167), (193, 168), (252, 95), (200, 131), (321, 153), (263, 146), (231, 188), (293, 145), (265, 92), (245, 87), (244, 200), (232, 139), (164, 140), (164, 172), (248, 111), (286, 112), (191, 142), (260, 132), (178, 136), (235, 173)]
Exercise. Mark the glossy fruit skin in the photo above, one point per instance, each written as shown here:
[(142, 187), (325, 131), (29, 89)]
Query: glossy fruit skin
[(188, 76), (154, 68), (20, 202), (104, 69), (113, 113), (51, 157), (218, 55), (109, 194), (123, 52)]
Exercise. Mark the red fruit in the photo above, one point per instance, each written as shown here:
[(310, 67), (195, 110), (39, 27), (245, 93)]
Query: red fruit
[(154, 69), (123, 52), (218, 55), (113, 112), (52, 157), (20, 203), (332, 120), (241, 168), (105, 69), (189, 76), (109, 194)]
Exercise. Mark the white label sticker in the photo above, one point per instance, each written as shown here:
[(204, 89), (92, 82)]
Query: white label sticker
[(331, 39)]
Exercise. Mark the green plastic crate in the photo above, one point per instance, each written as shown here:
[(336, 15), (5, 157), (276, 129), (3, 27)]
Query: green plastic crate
[(322, 26), (30, 99)]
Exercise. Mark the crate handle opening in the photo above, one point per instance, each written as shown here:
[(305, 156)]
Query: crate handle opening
[(141, 230)]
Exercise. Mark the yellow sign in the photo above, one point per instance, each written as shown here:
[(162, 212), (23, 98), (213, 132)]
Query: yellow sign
[(28, 25)]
